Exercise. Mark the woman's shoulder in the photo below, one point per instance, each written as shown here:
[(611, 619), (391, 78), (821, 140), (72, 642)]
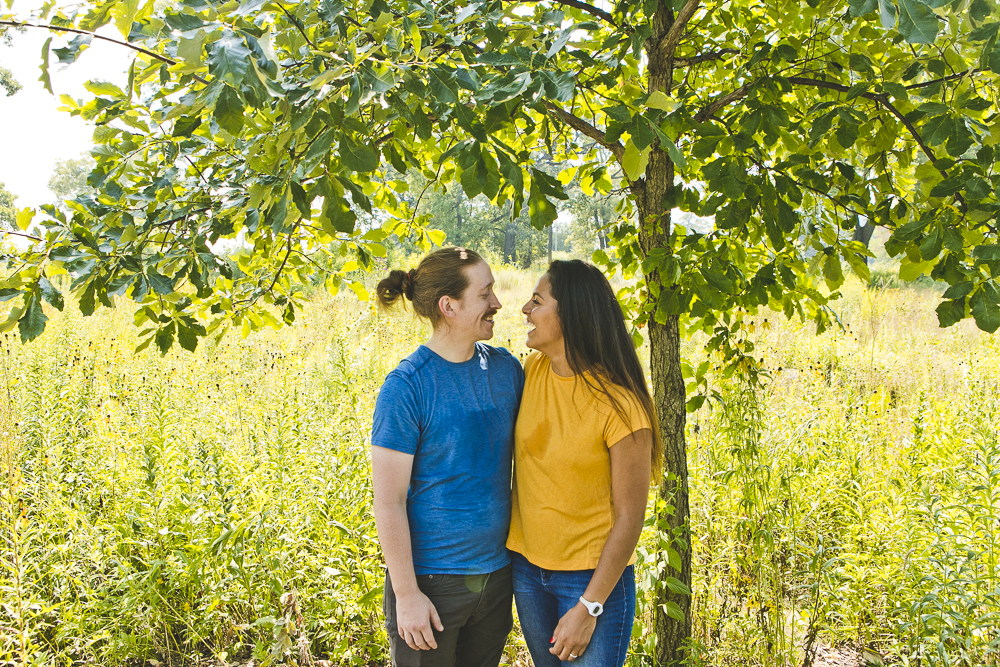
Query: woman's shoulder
[(500, 354), (535, 361)]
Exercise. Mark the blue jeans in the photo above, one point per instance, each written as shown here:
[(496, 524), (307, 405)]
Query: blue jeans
[(544, 596)]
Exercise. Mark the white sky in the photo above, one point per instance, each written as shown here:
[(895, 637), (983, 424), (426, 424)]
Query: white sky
[(33, 134)]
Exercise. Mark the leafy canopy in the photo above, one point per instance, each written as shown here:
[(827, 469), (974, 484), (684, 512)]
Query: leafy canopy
[(279, 131)]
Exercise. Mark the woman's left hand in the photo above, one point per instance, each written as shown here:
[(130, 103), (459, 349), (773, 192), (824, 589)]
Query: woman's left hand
[(573, 633)]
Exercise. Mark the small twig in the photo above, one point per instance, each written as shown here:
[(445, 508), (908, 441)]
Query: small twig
[(26, 236), (586, 128), (296, 23), (951, 77), (705, 57), (94, 35), (593, 11)]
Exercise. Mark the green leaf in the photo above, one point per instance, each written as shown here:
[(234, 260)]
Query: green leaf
[(160, 283), (832, 271), (165, 337), (318, 150), (88, 300), (911, 230), (862, 7), (634, 161), (979, 10), (984, 32), (917, 22), (673, 610), (958, 291), (229, 111), (357, 156), (950, 312), (987, 253), (932, 244), (104, 88), (338, 217), (676, 586), (186, 125), (23, 218), (887, 13), (541, 211), (910, 271), (659, 100), (329, 10), (187, 337), (50, 293), (847, 134), (985, 310), (32, 322), (229, 59), (44, 77), (190, 49), (949, 186), (672, 150)]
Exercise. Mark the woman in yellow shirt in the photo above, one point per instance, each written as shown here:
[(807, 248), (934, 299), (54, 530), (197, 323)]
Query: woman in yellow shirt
[(585, 445)]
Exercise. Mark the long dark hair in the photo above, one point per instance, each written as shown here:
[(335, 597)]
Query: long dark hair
[(440, 273), (599, 348)]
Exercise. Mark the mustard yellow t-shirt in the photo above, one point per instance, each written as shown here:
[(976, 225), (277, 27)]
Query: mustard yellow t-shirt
[(561, 508)]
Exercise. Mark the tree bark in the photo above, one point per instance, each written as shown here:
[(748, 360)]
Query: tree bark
[(863, 234), (654, 198), (668, 394)]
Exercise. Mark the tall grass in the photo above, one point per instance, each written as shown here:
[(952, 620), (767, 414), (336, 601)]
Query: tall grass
[(216, 507)]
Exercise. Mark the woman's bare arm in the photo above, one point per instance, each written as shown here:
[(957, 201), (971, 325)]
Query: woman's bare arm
[(631, 463)]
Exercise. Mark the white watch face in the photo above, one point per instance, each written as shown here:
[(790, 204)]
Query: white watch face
[(593, 608)]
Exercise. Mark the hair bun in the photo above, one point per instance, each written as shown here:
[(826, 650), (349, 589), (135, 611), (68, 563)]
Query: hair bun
[(406, 284)]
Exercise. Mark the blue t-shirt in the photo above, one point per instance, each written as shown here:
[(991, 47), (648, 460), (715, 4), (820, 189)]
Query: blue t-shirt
[(457, 419)]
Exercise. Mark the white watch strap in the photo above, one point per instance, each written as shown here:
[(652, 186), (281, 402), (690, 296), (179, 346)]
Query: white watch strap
[(595, 609)]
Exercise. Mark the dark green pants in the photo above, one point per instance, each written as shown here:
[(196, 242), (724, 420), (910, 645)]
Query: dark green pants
[(476, 612)]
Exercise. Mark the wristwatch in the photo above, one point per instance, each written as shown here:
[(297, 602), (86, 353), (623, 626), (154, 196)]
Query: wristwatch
[(595, 608)]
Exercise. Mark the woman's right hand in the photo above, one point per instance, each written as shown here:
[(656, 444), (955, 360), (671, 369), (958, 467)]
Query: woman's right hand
[(415, 616)]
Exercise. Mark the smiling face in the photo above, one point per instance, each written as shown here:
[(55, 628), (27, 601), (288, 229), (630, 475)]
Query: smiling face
[(473, 312), (542, 314)]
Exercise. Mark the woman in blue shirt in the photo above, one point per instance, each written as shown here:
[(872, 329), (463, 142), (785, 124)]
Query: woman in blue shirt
[(442, 443)]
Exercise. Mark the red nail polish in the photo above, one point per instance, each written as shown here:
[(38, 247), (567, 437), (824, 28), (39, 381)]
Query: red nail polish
[(552, 640)]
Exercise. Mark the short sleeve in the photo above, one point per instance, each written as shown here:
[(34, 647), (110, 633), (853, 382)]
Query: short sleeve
[(616, 427), (517, 370), (530, 362), (396, 424)]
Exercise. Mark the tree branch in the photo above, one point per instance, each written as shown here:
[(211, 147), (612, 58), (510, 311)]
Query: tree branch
[(586, 128), (94, 35), (882, 99), (168, 223), (25, 236), (722, 102), (297, 25), (668, 44), (592, 10), (952, 77), (705, 57)]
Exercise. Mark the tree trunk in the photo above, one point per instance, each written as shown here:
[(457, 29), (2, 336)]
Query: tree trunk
[(668, 394), (654, 196), (863, 234), (509, 237), (550, 242)]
